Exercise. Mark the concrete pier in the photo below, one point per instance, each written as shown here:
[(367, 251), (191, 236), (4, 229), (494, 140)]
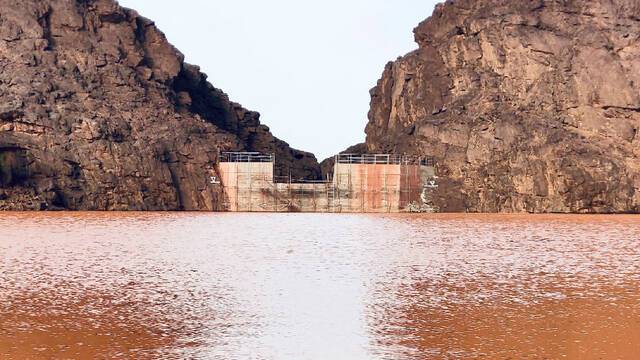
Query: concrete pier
[(360, 184)]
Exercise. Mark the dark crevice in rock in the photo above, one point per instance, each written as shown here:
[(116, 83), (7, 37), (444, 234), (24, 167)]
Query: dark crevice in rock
[(11, 115), (624, 108), (175, 178), (115, 17), (140, 29), (45, 23), (13, 166)]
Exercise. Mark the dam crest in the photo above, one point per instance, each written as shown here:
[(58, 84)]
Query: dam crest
[(370, 183)]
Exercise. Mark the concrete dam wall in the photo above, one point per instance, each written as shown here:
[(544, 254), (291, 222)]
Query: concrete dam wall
[(360, 184)]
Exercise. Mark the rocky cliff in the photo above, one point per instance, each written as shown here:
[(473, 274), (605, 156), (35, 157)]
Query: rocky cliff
[(99, 112), (527, 105)]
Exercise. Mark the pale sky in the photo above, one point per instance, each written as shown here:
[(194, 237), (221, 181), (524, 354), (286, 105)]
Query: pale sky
[(306, 66)]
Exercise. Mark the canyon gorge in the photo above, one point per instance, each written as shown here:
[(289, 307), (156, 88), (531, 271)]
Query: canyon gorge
[(526, 106)]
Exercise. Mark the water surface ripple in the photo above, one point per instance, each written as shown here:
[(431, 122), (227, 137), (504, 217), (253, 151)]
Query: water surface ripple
[(318, 286)]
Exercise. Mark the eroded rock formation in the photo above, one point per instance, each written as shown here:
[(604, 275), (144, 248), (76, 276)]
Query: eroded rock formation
[(527, 105), (99, 112)]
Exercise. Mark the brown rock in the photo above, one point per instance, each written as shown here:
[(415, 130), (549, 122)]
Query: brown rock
[(528, 106), (99, 112)]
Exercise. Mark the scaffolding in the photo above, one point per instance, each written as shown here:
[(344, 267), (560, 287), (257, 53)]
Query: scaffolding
[(360, 184)]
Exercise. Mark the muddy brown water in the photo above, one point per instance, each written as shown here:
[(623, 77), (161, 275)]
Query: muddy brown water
[(318, 286)]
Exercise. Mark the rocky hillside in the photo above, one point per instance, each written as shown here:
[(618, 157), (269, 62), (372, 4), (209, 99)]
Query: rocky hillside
[(527, 105), (99, 112)]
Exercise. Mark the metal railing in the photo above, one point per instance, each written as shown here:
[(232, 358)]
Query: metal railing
[(373, 159), (384, 159), (428, 161), (246, 157)]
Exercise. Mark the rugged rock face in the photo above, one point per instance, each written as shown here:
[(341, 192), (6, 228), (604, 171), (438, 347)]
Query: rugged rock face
[(99, 112), (527, 105)]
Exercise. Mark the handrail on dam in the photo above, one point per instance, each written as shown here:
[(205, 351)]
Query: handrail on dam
[(368, 159), (360, 183), (384, 159), (246, 157)]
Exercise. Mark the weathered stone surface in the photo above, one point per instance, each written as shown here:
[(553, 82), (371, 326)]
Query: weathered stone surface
[(99, 112), (528, 106)]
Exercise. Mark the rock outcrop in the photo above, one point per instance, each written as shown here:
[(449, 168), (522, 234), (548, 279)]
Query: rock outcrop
[(99, 112), (527, 105)]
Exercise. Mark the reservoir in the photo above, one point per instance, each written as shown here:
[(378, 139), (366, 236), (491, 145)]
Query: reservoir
[(318, 286)]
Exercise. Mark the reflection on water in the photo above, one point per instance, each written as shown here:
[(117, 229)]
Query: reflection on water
[(322, 286)]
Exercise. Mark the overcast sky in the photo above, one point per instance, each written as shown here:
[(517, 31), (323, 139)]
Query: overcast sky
[(306, 66)]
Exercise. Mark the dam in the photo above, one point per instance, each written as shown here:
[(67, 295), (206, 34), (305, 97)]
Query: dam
[(371, 183)]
